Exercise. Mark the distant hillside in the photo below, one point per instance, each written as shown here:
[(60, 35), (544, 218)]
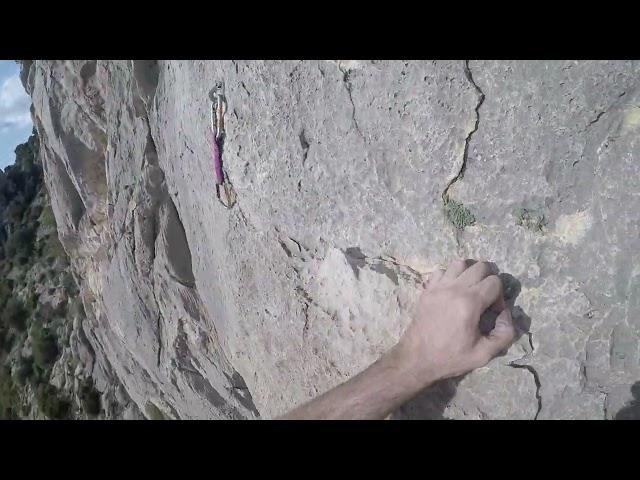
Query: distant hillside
[(38, 303)]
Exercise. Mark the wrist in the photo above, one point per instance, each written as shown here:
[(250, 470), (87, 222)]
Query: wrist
[(410, 369)]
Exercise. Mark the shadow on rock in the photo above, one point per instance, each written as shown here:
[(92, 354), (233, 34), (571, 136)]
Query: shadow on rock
[(632, 410), (431, 403)]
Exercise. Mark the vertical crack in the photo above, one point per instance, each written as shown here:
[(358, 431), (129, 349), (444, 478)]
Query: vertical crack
[(159, 330), (536, 378), (304, 143), (307, 301), (349, 86), (151, 157), (533, 372), (529, 334), (153, 286), (465, 155)]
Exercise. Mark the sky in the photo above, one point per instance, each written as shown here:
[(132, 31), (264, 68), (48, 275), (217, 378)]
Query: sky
[(15, 119)]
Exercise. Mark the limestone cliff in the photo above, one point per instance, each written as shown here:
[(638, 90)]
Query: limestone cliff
[(353, 179)]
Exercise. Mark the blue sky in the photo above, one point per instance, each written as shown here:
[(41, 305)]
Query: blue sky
[(15, 119)]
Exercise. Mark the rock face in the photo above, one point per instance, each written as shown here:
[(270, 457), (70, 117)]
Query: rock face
[(353, 180)]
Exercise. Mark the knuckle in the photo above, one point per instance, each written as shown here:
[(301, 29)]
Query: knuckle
[(457, 264), (485, 268), (494, 282), (509, 332), (483, 357), (467, 304), (476, 295)]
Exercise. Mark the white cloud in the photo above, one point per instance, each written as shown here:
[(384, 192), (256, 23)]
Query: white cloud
[(14, 105)]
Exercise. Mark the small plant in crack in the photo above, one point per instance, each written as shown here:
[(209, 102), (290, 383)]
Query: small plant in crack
[(459, 215), (531, 219), (346, 78)]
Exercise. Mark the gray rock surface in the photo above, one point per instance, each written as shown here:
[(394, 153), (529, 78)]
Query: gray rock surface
[(354, 179)]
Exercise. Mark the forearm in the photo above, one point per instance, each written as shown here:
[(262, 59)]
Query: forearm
[(443, 341), (372, 394)]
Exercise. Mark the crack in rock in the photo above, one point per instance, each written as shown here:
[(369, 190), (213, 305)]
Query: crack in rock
[(304, 143), (533, 372), (151, 153), (349, 86), (307, 301), (465, 155), (600, 114), (536, 378), (597, 118), (159, 329)]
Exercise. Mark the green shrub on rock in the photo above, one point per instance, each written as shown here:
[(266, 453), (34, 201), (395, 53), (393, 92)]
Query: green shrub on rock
[(25, 370), (44, 345), (89, 398), (15, 314), (50, 402)]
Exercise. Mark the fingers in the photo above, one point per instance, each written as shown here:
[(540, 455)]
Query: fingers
[(434, 277), (490, 292), (476, 273), (454, 270), (499, 339)]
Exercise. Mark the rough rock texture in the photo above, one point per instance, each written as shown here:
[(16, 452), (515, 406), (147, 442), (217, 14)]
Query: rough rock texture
[(353, 180)]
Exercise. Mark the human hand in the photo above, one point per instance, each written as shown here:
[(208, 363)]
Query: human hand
[(444, 340)]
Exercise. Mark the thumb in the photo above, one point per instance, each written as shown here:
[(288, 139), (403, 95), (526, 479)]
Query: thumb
[(500, 338)]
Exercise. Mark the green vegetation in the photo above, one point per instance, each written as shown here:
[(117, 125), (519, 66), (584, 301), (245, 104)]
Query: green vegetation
[(8, 396), (38, 296), (459, 215), (52, 249), (6, 288), (89, 398), (51, 403), (532, 219), (25, 370), (47, 219), (20, 244), (45, 346), (69, 284), (15, 314)]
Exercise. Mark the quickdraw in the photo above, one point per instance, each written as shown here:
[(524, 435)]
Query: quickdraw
[(224, 191)]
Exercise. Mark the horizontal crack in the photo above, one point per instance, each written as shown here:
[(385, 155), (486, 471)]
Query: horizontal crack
[(417, 276)]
